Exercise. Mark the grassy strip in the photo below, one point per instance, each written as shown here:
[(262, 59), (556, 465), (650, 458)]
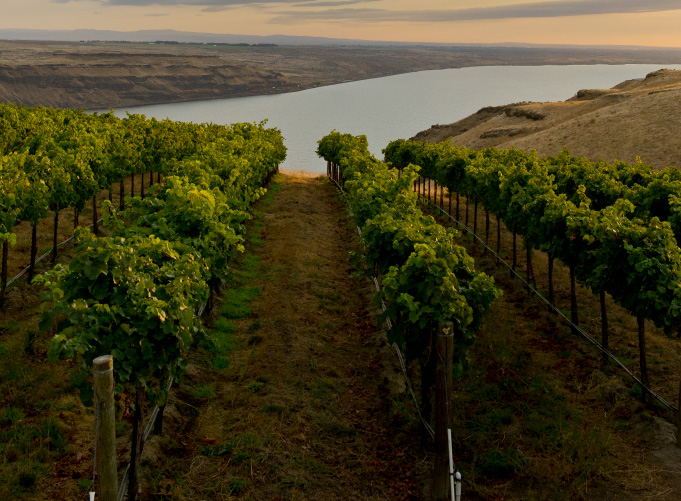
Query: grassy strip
[(38, 410), (238, 295), (301, 411)]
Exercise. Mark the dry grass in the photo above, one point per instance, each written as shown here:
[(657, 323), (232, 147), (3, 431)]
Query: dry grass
[(638, 118), (302, 174), (541, 376), (303, 410), (36, 394)]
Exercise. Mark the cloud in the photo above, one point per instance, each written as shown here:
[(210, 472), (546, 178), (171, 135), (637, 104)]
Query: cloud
[(332, 3), (219, 4), (546, 9), (308, 10)]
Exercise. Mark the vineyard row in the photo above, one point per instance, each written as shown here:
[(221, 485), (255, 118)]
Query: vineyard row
[(603, 221), (134, 293)]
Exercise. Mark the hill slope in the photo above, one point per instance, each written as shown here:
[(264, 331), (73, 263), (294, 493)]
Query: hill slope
[(636, 118), (103, 75)]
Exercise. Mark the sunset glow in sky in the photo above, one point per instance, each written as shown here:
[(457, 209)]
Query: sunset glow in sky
[(587, 22)]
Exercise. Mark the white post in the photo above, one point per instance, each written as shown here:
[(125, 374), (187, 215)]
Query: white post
[(451, 464)]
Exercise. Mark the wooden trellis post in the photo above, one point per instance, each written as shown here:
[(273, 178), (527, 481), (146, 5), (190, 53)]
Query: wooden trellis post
[(105, 439)]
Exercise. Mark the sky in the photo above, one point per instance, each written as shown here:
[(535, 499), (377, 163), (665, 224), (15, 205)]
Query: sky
[(583, 22)]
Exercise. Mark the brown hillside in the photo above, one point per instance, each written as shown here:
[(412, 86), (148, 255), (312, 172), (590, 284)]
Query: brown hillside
[(637, 118), (103, 75)]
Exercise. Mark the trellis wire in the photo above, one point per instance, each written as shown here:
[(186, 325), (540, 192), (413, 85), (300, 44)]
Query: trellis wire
[(577, 328), (152, 422), (150, 425), (147, 431), (552, 307), (400, 357), (25, 270), (38, 260)]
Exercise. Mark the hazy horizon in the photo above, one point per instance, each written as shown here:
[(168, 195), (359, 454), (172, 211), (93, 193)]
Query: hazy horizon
[(646, 23), (169, 35)]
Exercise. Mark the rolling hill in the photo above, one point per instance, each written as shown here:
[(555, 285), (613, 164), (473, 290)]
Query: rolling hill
[(636, 118)]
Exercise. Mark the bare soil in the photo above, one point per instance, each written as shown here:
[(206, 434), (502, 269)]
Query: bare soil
[(637, 118)]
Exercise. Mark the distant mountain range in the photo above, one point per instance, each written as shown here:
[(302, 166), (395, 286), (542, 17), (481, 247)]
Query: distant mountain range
[(190, 37)]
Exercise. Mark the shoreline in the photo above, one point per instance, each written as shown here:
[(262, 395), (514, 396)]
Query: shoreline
[(102, 76), (216, 98)]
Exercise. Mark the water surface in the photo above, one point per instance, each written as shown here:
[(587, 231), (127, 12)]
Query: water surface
[(397, 106)]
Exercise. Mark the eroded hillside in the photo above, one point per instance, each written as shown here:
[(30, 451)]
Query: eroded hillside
[(637, 118), (102, 75), (90, 76)]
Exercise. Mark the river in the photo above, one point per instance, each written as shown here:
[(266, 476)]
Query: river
[(397, 106)]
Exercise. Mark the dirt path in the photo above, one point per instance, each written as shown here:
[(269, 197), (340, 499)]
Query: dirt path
[(304, 410)]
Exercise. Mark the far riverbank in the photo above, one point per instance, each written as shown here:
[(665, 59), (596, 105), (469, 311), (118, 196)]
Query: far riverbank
[(98, 75)]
